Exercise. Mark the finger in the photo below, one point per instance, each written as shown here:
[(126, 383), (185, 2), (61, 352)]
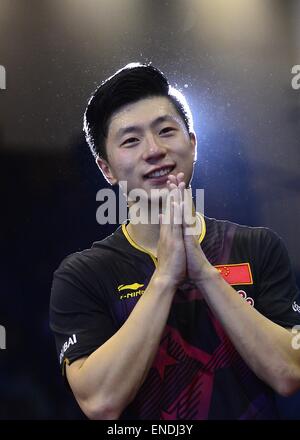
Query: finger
[(183, 209), (177, 207), (187, 216), (181, 187), (180, 177), (177, 234), (173, 192), (172, 178), (191, 223), (168, 185), (163, 230), (168, 211), (171, 218), (172, 186), (175, 212), (187, 226)]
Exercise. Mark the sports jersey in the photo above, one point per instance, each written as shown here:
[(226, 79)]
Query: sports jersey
[(197, 373)]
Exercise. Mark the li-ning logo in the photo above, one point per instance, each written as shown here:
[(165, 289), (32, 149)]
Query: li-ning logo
[(296, 307), (135, 290), (247, 298), (133, 286), (71, 341)]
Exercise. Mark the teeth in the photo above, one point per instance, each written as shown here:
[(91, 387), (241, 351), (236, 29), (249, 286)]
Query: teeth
[(162, 172)]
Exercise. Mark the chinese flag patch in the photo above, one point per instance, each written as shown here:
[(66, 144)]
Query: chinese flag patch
[(236, 273)]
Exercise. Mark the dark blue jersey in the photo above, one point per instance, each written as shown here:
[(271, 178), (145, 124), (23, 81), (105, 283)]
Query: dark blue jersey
[(197, 373)]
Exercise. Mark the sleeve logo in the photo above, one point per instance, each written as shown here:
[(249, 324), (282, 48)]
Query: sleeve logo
[(130, 290), (133, 286), (71, 341)]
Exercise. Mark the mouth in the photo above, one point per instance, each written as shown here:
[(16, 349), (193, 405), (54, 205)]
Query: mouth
[(159, 172)]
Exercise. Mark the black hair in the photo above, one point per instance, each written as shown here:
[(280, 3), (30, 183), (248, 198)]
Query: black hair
[(133, 82)]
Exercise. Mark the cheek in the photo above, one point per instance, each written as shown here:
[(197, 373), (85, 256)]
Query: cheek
[(123, 162), (186, 151)]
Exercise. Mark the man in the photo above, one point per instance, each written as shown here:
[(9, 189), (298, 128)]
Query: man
[(157, 323)]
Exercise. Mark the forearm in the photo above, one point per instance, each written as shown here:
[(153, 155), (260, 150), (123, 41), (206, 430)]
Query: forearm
[(110, 377), (265, 346)]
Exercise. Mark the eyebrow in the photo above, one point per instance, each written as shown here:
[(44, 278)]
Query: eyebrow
[(165, 118)]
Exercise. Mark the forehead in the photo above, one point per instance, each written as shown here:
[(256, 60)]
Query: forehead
[(142, 113)]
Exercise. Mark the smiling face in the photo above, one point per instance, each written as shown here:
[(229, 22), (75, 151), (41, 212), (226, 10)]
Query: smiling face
[(146, 141)]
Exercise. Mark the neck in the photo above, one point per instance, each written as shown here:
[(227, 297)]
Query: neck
[(146, 235)]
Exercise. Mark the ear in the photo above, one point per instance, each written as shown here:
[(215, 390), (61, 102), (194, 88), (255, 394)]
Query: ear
[(105, 169), (193, 140)]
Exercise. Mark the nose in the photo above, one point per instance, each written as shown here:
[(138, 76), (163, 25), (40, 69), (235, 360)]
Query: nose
[(154, 150)]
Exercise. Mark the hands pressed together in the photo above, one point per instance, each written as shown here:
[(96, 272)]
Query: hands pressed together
[(179, 252)]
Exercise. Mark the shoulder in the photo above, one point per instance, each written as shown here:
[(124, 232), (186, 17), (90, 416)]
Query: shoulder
[(100, 254), (226, 241), (89, 272), (245, 233)]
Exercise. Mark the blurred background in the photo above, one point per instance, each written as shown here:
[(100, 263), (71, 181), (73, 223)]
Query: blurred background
[(231, 58)]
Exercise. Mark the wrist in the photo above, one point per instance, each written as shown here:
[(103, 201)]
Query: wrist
[(164, 281), (207, 275)]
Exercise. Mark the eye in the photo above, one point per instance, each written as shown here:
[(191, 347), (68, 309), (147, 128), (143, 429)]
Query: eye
[(129, 141), (167, 130)]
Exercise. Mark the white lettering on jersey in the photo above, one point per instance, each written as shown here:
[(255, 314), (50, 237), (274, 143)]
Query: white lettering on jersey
[(296, 307), (71, 341), (247, 298)]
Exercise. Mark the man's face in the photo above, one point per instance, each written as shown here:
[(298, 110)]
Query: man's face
[(146, 141)]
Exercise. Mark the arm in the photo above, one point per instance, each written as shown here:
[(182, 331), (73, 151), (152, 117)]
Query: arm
[(264, 345), (106, 382)]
